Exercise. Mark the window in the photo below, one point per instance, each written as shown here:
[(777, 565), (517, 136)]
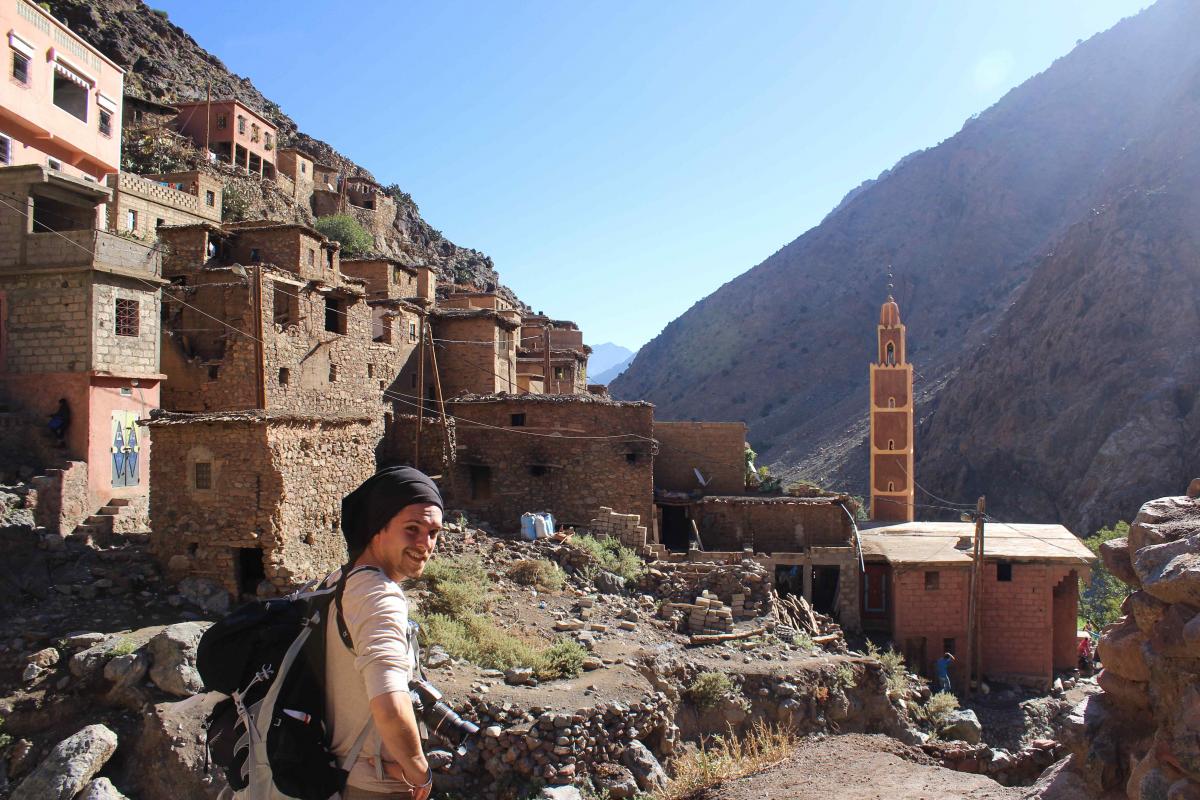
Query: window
[(20, 68), (254, 132), (126, 317), (335, 316), (241, 124), (412, 331), (222, 121), (5, 150), (370, 370), (312, 258), (537, 470), (891, 486), (891, 402), (202, 475), (214, 371), (267, 141), (891, 444), (105, 122), (333, 373), (159, 222), (932, 580), (631, 458), (285, 375), (517, 420), (560, 373), (1004, 571), (413, 382), (70, 92), (130, 220), (303, 168), (54, 164), (287, 306), (126, 391), (890, 359), (481, 482), (253, 255), (210, 198)]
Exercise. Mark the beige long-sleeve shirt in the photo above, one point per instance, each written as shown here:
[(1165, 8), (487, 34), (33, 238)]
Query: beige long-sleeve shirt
[(376, 614)]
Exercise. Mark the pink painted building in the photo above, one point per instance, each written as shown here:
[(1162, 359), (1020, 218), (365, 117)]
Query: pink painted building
[(79, 321), (60, 106), (232, 132)]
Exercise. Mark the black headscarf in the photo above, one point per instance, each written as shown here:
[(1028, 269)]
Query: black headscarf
[(369, 508)]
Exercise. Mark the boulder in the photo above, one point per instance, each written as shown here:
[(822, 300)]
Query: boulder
[(44, 658), (89, 663), (69, 766), (100, 789), (1120, 650), (1115, 555), (1131, 697), (169, 760), (519, 676), (1061, 781), (1171, 571), (1162, 520), (609, 583), (205, 593), (127, 670), (615, 782), (963, 726), (1146, 610), (649, 774), (173, 652)]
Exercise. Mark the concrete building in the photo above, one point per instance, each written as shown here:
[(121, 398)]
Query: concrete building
[(141, 204), (60, 106), (232, 132), (917, 592), (79, 317), (892, 491)]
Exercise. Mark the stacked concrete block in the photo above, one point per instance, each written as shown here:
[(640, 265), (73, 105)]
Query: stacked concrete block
[(625, 528), (707, 615)]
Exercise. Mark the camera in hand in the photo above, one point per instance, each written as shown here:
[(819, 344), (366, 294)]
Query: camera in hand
[(439, 718)]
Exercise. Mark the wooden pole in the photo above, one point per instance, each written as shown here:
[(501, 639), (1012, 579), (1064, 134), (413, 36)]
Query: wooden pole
[(546, 359), (420, 393), (977, 667)]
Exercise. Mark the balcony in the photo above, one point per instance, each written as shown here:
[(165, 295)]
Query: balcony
[(82, 248)]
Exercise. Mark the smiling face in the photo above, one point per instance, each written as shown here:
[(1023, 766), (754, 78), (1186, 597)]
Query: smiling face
[(407, 542)]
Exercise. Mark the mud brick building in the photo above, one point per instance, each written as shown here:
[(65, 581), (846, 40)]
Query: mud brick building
[(79, 313), (232, 131), (141, 204), (717, 450), (565, 371), (279, 371), (917, 591), (567, 454), (476, 349), (255, 497), (60, 101)]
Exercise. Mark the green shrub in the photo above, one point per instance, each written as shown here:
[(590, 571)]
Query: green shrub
[(1100, 599), (158, 12), (563, 659), (709, 689), (612, 555), (843, 676), (235, 205), (458, 587), (937, 711), (894, 672), (123, 647), (346, 229), (538, 572)]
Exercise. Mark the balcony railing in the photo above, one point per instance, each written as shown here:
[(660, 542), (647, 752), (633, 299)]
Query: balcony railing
[(90, 248)]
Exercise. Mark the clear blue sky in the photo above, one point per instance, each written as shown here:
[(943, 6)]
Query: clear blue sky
[(620, 160)]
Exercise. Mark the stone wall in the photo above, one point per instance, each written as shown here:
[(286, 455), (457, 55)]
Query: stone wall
[(683, 582), (48, 322), (63, 501), (504, 470), (466, 362), (227, 483), (152, 201), (717, 449), (772, 524), (1140, 737)]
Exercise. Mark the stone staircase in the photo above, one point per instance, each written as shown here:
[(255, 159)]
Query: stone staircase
[(102, 529)]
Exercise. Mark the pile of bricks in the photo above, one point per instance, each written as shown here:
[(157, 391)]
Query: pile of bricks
[(745, 586), (707, 615), (625, 528)]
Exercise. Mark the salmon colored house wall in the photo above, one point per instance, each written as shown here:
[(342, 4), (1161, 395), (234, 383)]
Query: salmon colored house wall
[(39, 128), (935, 614)]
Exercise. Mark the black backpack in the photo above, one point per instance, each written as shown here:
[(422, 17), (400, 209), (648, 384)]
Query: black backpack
[(269, 736)]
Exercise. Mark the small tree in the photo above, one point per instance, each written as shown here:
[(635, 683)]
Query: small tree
[(345, 229), (1100, 600), (234, 204)]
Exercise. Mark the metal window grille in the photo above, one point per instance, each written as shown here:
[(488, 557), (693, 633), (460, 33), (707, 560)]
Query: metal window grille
[(203, 475), (20, 68), (127, 317), (105, 123)]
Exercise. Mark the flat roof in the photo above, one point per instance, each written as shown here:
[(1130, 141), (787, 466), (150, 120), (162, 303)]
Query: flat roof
[(225, 101), (558, 399), (937, 543)]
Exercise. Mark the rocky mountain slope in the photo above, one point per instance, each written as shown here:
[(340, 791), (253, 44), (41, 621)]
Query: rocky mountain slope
[(1008, 241), (165, 64)]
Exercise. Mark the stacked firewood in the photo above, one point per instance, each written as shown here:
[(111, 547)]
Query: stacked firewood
[(794, 612)]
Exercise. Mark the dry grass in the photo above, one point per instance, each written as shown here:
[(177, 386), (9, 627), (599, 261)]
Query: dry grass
[(728, 757), (538, 572)]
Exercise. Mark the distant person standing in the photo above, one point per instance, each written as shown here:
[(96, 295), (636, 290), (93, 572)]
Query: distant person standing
[(941, 668), (60, 421)]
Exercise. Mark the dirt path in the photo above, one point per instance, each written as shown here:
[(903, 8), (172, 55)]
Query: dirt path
[(858, 767)]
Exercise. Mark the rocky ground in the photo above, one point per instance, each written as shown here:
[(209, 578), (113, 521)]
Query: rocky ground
[(100, 697)]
